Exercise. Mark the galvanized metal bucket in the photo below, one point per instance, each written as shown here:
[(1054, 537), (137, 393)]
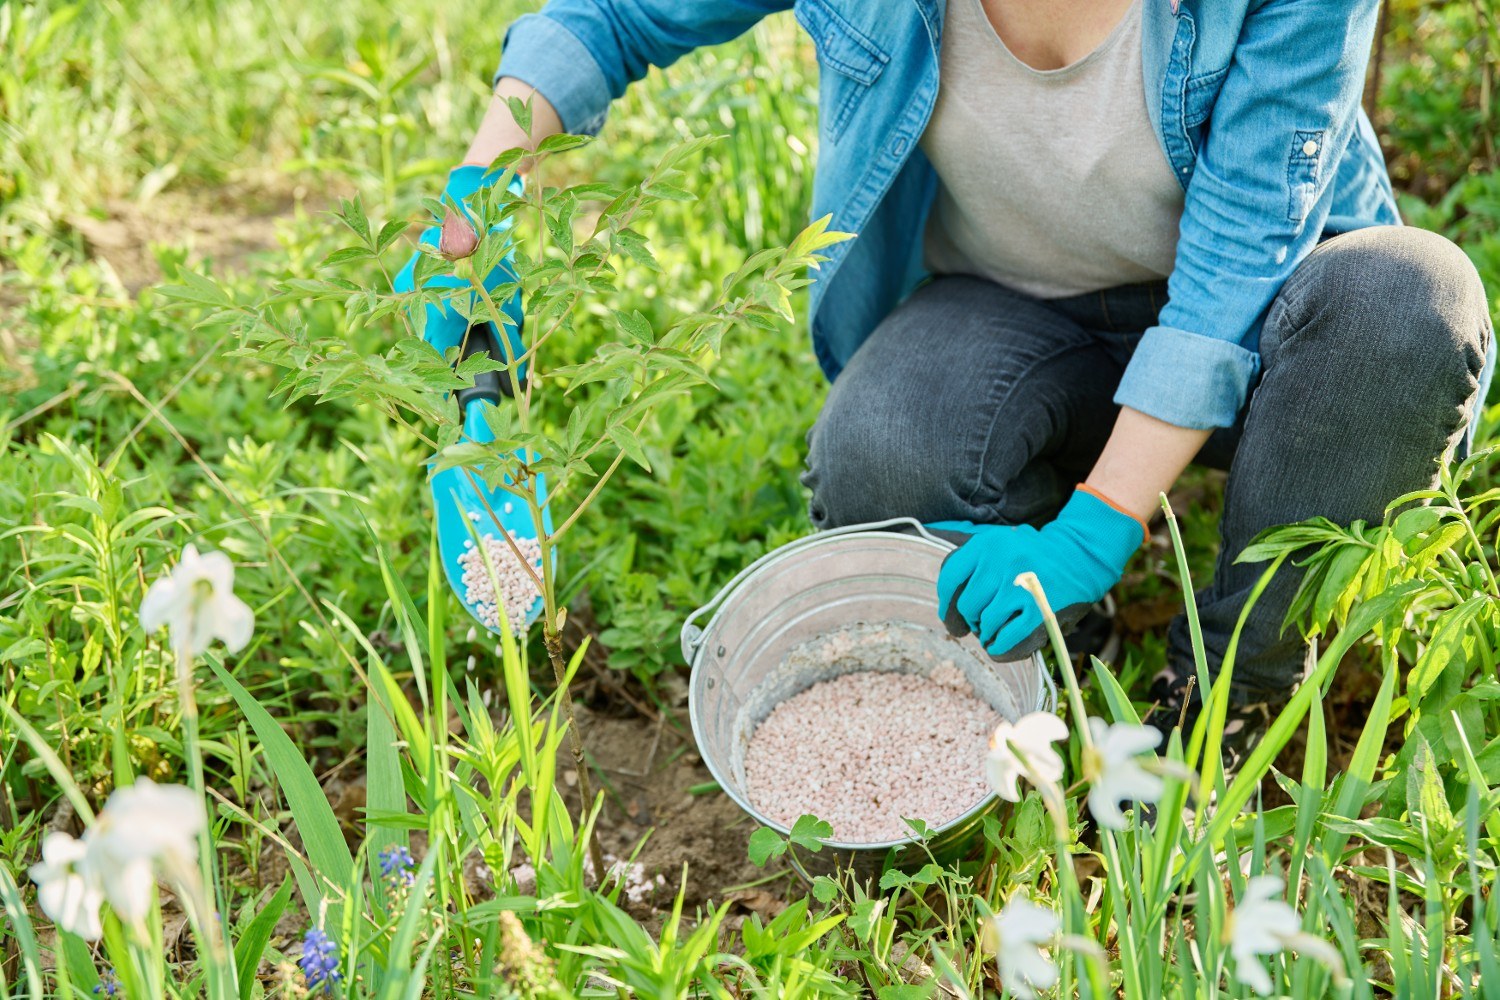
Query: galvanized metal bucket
[(881, 572)]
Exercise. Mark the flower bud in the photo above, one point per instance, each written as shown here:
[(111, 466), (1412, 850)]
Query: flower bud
[(458, 239)]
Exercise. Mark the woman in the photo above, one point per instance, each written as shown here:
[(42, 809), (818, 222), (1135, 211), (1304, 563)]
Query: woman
[(1096, 240)]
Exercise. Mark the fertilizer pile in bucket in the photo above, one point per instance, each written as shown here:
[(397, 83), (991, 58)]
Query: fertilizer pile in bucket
[(892, 731)]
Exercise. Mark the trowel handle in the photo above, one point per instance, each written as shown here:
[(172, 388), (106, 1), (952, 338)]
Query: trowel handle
[(488, 386)]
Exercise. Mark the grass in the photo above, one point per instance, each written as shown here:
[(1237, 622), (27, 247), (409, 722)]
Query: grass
[(366, 715)]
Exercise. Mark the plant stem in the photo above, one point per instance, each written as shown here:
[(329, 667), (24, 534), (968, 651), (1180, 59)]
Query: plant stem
[(214, 934), (552, 639)]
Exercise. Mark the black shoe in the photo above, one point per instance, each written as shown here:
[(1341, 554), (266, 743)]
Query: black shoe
[(1179, 703), (1096, 634)]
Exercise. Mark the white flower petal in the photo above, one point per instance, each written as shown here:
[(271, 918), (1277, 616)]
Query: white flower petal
[(1260, 925), (196, 599), (68, 897), (1003, 771), (149, 821), (1125, 740), (159, 602), (1041, 728), (1018, 931), (1114, 772), (1106, 810), (236, 622), (1025, 749), (130, 888), (1253, 974), (218, 570)]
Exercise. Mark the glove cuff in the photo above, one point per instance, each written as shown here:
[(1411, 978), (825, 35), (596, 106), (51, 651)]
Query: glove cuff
[(1113, 533)]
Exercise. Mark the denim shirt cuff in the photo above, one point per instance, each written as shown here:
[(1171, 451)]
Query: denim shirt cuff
[(543, 54), (1188, 379)]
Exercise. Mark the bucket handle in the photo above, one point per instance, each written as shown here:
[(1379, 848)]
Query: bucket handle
[(692, 634)]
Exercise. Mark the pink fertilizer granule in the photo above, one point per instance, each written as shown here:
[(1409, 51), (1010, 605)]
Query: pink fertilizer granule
[(866, 748)]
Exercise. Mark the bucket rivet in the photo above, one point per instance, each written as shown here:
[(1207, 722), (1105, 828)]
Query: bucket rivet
[(710, 684), (720, 652)]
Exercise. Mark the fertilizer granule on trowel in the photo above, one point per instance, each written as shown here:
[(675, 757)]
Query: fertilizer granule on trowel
[(865, 748), (518, 589)]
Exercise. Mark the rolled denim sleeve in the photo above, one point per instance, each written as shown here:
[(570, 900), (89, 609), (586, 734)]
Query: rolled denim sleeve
[(1256, 205), (582, 54)]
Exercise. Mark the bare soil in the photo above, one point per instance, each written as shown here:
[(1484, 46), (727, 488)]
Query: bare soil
[(225, 227), (647, 770)]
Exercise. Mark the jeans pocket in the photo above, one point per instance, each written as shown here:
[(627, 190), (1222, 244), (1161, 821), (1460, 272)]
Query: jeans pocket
[(849, 63), (1303, 169)]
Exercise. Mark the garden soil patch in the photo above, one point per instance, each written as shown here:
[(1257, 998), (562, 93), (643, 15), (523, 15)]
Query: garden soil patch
[(646, 769), (227, 227)]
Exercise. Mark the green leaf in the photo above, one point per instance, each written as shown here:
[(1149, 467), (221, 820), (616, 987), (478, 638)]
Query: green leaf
[(897, 879), (1449, 647), (20, 929), (810, 832), (197, 289), (322, 838), (906, 991), (825, 889), (626, 440), (345, 255), (863, 917), (562, 141), (635, 326), (251, 946), (765, 844), (352, 214), (1425, 795), (521, 111)]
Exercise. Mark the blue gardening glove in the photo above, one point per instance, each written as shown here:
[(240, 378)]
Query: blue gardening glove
[(445, 326), (1077, 558), (464, 505)]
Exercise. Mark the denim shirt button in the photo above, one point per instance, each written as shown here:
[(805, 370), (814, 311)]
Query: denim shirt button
[(898, 145), (1309, 148)]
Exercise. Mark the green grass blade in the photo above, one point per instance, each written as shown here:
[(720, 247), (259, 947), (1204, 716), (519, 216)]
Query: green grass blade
[(25, 935), (252, 943), (321, 837), (385, 793)]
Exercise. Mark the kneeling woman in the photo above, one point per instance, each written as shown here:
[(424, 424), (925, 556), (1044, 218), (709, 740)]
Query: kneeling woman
[(1097, 240)]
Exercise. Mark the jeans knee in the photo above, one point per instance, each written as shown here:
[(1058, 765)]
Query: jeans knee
[(1406, 300), (864, 464)]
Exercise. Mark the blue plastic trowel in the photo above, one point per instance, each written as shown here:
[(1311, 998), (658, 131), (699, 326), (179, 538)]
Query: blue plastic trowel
[(466, 507)]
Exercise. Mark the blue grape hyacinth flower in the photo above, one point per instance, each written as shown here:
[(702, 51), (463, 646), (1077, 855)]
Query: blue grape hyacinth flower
[(320, 960), (109, 983), (397, 866)]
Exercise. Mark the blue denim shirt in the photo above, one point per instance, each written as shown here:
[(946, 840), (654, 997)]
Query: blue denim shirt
[(1256, 104)]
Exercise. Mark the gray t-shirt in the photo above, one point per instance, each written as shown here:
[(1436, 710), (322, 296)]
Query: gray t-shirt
[(1052, 182)]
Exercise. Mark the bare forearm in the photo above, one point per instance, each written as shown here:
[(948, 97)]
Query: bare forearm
[(1142, 459), (499, 131)]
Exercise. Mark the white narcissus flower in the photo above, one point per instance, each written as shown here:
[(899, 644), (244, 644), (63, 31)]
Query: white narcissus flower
[(1265, 924), (66, 890), (141, 828), (1024, 750), (1113, 769), (196, 599), (1016, 935)]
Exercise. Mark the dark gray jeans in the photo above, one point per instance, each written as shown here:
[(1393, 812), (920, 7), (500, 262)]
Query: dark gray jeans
[(977, 403)]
